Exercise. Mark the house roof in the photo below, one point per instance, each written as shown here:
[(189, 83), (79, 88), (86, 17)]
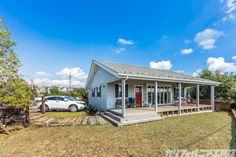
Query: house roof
[(145, 72)]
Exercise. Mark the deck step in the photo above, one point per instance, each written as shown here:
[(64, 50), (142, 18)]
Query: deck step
[(113, 121), (115, 113), (130, 118), (113, 116)]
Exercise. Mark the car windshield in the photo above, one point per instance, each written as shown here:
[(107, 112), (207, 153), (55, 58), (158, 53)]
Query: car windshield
[(70, 98)]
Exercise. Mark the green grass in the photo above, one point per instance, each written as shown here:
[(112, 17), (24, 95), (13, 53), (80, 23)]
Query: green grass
[(65, 114), (199, 131)]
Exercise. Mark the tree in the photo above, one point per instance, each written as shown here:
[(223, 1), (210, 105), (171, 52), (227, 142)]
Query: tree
[(55, 91), (9, 62), (79, 92), (13, 90), (16, 92), (226, 89)]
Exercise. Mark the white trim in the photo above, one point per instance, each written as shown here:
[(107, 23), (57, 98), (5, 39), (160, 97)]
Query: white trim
[(164, 79), (94, 62), (213, 97), (135, 93), (146, 77), (160, 85), (155, 95), (197, 97), (123, 98)]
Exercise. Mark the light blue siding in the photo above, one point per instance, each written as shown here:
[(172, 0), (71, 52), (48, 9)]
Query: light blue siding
[(100, 78), (131, 84)]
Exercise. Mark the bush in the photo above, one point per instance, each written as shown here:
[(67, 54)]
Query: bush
[(233, 106), (91, 110), (15, 92)]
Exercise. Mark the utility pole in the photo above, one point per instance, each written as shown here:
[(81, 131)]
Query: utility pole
[(43, 104), (70, 81)]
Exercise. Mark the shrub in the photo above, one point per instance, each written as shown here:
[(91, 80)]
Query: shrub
[(233, 106)]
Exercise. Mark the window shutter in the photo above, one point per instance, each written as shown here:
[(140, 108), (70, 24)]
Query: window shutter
[(116, 90), (126, 90)]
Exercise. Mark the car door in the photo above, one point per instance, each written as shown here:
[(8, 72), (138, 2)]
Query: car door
[(61, 103), (51, 102)]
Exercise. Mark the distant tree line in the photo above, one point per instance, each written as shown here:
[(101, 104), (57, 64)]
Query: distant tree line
[(75, 92), (226, 91)]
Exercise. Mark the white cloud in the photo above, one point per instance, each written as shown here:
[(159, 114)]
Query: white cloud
[(165, 65), (186, 51), (57, 82), (234, 58), (120, 50), (76, 72), (197, 72), (125, 42), (207, 38), (78, 78), (42, 73), (220, 65), (230, 10)]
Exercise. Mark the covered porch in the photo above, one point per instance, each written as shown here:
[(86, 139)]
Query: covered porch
[(134, 96), (165, 110)]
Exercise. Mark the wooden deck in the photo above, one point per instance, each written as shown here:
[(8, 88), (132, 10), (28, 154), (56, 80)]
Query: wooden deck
[(166, 110), (41, 120)]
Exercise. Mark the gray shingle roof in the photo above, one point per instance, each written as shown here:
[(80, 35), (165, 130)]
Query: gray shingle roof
[(149, 72)]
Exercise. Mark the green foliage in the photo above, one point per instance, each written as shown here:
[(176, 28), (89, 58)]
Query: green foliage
[(76, 92), (13, 90), (55, 91), (16, 92), (79, 92), (9, 62), (225, 91)]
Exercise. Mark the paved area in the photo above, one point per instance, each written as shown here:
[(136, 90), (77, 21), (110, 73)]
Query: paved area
[(41, 120)]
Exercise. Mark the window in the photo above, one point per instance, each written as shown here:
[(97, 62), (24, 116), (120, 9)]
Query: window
[(93, 92), (176, 92), (61, 99), (118, 90), (52, 98), (70, 98), (99, 91)]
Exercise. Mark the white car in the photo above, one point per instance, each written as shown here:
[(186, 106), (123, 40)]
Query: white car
[(62, 103)]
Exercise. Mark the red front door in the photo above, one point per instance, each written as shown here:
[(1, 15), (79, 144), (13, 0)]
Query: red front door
[(138, 96)]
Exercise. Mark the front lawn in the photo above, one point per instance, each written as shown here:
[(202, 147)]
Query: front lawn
[(198, 131), (66, 114)]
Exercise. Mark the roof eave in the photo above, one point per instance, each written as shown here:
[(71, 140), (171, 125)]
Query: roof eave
[(175, 80)]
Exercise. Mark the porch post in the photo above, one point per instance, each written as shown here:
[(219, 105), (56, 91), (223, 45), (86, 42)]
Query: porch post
[(156, 86), (180, 93), (172, 95), (213, 97), (185, 92), (123, 98), (197, 97)]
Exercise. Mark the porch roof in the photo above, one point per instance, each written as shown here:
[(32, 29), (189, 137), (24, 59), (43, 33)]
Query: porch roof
[(144, 73)]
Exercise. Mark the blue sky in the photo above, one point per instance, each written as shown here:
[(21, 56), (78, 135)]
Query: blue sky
[(54, 37)]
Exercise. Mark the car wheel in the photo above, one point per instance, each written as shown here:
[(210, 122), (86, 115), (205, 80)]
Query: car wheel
[(73, 108), (46, 108)]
